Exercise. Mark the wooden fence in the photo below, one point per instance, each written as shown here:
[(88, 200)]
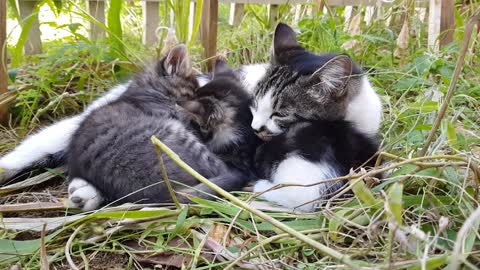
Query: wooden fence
[(441, 22)]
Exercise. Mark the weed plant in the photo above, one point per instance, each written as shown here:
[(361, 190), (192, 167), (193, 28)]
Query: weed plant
[(423, 215)]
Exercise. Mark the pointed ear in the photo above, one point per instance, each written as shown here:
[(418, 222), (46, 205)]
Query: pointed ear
[(177, 62), (284, 38), (220, 67), (193, 107), (334, 75)]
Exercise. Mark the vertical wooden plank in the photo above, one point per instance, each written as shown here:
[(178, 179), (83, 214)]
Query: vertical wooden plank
[(447, 22), (3, 59), (273, 15), (96, 9), (434, 24), (208, 31), (151, 20), (33, 44), (319, 4), (236, 14)]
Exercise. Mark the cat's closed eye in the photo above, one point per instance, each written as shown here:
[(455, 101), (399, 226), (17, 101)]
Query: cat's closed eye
[(278, 115)]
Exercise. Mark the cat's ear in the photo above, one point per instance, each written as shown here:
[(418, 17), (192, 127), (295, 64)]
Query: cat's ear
[(334, 75), (284, 38), (193, 107), (220, 67), (177, 62)]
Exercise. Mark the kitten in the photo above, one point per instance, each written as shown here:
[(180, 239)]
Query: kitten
[(111, 157), (321, 116)]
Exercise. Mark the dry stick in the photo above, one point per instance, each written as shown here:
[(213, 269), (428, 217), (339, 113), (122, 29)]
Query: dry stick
[(451, 88), (302, 237), (68, 246), (43, 250), (457, 254), (263, 243), (158, 149)]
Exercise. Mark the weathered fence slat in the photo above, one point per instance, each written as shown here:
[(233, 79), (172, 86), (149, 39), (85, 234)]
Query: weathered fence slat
[(96, 9), (151, 20), (3, 59), (208, 30), (33, 44), (236, 14)]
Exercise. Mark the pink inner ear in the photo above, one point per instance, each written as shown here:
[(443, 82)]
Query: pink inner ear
[(193, 107)]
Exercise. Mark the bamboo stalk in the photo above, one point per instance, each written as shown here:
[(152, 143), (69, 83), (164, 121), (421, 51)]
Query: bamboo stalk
[(302, 237)]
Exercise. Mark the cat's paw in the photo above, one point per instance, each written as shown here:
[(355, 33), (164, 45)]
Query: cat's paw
[(83, 195)]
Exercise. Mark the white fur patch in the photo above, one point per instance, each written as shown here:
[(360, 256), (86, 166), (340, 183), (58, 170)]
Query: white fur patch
[(83, 195), (296, 170), (202, 81), (53, 138), (365, 109), (262, 112), (253, 74)]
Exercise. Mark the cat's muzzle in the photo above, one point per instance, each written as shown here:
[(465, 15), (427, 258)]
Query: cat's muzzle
[(264, 135)]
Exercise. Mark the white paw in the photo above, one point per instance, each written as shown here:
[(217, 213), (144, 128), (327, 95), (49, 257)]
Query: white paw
[(83, 195), (262, 185)]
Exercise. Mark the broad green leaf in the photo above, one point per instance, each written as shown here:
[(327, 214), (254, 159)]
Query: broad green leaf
[(432, 263), (136, 214), (451, 134), (114, 24), (428, 106), (181, 220), (335, 223), (363, 193), (395, 201), (228, 209)]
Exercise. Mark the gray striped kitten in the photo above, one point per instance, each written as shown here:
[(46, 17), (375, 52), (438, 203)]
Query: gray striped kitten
[(111, 158)]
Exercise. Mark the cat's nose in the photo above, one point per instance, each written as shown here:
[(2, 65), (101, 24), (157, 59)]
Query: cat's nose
[(259, 129)]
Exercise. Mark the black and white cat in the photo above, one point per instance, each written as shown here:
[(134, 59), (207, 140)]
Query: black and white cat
[(111, 158), (362, 108), (319, 116)]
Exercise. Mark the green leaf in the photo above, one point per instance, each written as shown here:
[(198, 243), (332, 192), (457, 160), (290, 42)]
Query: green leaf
[(136, 214), (114, 24), (432, 263), (395, 201), (228, 209), (451, 134), (364, 193), (181, 220), (335, 223)]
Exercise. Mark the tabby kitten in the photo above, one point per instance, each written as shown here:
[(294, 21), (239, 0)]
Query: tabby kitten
[(111, 158), (319, 116)]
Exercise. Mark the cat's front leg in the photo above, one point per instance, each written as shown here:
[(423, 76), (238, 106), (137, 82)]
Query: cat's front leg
[(83, 195)]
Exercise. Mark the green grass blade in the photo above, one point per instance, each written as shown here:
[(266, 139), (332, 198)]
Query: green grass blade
[(114, 24)]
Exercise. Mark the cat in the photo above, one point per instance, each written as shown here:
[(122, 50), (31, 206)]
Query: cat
[(111, 158), (319, 116), (46, 148)]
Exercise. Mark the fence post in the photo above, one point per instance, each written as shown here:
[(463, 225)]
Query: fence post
[(208, 30), (273, 15), (26, 9), (96, 9), (447, 22), (151, 20), (236, 14), (3, 59)]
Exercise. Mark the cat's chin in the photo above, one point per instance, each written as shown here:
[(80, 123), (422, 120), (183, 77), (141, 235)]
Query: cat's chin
[(265, 136)]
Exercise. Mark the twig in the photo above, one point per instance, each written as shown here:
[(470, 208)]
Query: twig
[(457, 254), (164, 173), (43, 250), (68, 246), (453, 83), (263, 243), (302, 237)]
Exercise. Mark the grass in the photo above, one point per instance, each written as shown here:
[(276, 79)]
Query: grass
[(423, 215)]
